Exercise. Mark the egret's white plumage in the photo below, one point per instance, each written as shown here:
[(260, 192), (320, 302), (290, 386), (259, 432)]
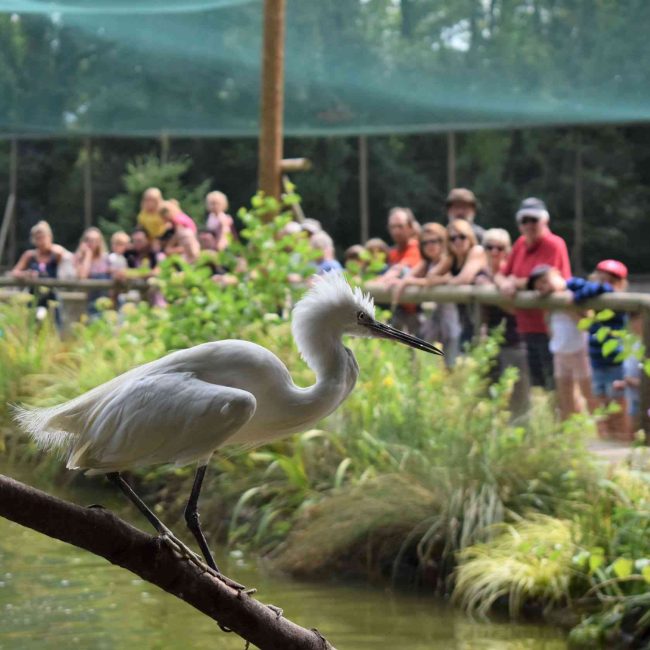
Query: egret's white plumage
[(181, 408), (184, 406)]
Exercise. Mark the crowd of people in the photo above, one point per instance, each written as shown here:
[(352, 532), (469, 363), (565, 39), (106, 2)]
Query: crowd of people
[(162, 229), (585, 368), (548, 349)]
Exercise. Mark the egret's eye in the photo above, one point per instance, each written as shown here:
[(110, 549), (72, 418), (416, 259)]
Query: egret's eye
[(362, 316)]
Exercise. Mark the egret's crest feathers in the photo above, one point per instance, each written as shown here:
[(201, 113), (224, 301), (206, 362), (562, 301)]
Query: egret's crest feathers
[(328, 309), (331, 292)]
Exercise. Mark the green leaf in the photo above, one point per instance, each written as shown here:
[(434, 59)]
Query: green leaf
[(595, 562), (605, 314), (602, 333), (623, 567), (585, 323), (610, 347)]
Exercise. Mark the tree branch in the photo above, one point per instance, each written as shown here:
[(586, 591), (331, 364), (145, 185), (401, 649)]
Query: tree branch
[(103, 533)]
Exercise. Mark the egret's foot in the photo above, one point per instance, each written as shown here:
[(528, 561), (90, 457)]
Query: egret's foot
[(184, 551)]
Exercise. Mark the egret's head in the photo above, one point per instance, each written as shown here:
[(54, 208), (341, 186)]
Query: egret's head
[(332, 305)]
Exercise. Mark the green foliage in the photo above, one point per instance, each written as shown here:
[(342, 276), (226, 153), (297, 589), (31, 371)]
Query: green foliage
[(266, 270), (529, 561), (614, 562), (29, 351), (417, 466), (149, 171), (449, 438)]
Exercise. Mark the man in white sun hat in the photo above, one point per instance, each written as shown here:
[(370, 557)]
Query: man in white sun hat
[(537, 245)]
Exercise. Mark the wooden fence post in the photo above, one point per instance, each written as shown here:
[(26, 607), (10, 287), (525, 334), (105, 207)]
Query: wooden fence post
[(364, 212), (451, 160), (88, 183)]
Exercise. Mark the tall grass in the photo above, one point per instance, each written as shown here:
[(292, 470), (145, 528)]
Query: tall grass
[(448, 438), (530, 561)]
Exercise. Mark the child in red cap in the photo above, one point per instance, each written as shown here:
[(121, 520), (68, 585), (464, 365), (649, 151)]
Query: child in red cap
[(606, 370)]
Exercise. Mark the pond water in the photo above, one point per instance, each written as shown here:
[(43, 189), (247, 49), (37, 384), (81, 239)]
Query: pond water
[(54, 596)]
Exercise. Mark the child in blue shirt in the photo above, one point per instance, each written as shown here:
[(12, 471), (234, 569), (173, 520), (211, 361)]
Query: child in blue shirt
[(606, 370)]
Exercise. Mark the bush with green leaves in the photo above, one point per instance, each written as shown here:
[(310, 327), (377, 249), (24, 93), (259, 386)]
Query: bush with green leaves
[(269, 268)]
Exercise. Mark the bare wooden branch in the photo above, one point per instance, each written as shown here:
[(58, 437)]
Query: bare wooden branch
[(103, 533)]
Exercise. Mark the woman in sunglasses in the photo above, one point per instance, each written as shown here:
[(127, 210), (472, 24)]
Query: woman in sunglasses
[(497, 245), (443, 326), (433, 247)]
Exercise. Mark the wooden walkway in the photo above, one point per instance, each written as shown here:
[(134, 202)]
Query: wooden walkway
[(615, 451)]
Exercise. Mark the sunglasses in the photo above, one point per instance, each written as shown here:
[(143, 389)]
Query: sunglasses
[(494, 247), (454, 238), (431, 241), (527, 220)]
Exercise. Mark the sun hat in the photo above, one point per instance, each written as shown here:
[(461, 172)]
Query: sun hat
[(532, 207), (613, 267)]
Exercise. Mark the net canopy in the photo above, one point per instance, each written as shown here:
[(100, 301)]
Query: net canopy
[(192, 68)]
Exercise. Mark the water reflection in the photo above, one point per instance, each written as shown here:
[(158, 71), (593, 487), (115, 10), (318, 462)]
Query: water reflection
[(54, 596)]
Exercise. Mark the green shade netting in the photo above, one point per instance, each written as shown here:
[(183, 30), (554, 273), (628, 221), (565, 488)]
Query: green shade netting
[(146, 67)]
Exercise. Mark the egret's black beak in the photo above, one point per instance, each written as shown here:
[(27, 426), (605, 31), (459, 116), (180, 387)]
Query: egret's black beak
[(381, 330)]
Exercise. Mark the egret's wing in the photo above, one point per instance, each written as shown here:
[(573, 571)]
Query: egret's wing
[(171, 417)]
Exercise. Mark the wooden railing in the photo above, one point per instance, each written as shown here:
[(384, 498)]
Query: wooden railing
[(74, 284), (474, 296)]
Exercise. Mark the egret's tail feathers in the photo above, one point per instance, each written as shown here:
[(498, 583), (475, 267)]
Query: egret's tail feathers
[(42, 425)]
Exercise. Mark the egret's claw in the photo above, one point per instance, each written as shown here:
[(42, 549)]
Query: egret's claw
[(184, 551)]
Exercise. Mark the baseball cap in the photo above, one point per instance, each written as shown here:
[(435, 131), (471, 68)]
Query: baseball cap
[(461, 195), (532, 207), (538, 271), (614, 267)]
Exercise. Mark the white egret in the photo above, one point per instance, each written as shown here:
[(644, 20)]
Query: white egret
[(181, 408)]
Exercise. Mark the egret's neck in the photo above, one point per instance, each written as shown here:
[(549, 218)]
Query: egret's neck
[(319, 343)]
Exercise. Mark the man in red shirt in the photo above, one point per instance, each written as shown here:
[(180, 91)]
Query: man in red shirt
[(537, 245), (402, 257)]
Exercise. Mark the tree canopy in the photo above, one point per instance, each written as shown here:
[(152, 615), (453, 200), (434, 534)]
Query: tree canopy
[(366, 66)]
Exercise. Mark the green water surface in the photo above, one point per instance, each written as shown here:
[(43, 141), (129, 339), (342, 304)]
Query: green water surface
[(54, 596)]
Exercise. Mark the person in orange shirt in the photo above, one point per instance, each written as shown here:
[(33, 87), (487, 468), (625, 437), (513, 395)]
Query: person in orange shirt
[(402, 258)]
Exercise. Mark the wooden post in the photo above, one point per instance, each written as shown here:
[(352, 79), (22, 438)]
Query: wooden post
[(8, 224), (578, 208), (13, 190), (88, 183), (164, 147), (451, 160), (272, 98), (645, 380), (364, 212)]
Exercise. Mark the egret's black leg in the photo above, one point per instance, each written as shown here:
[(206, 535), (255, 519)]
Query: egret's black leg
[(114, 477), (193, 520)]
